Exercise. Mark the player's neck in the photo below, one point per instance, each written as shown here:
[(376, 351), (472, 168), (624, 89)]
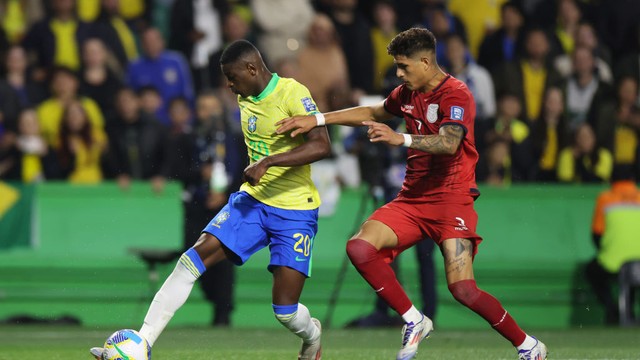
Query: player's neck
[(434, 81)]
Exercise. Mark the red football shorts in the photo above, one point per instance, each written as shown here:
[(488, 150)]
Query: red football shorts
[(438, 217)]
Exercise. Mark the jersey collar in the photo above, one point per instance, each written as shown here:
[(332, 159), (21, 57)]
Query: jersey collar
[(269, 89)]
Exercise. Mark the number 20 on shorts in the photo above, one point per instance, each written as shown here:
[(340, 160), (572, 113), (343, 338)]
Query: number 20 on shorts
[(303, 244)]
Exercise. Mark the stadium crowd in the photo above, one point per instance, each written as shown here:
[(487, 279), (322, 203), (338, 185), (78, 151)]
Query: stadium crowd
[(92, 90)]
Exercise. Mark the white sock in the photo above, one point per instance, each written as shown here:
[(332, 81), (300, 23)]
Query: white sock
[(412, 315), (171, 296), (527, 344), (300, 324)]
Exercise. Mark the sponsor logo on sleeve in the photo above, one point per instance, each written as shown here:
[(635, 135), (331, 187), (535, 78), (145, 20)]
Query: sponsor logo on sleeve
[(308, 104), (457, 113)]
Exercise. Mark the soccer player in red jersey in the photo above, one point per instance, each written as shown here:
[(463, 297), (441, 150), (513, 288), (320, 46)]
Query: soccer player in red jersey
[(437, 196)]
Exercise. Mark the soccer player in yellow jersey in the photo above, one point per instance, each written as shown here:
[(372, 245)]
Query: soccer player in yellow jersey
[(277, 206)]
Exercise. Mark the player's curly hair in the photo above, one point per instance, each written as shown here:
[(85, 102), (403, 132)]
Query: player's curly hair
[(411, 41), (236, 50)]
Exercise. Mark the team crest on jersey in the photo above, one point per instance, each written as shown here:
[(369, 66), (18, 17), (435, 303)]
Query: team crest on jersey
[(252, 123), (432, 113), (308, 104), (220, 218), (457, 113)]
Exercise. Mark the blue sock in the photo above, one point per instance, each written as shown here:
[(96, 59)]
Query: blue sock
[(191, 260)]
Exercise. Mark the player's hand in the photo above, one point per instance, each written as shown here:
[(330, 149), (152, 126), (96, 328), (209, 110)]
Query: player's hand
[(254, 172), (379, 132), (299, 125)]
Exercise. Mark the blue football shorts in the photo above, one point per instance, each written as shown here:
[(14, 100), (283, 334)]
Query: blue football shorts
[(245, 225)]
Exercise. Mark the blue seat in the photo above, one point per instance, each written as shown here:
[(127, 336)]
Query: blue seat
[(629, 283)]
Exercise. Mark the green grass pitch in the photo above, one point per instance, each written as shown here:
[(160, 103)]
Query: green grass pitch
[(59, 342)]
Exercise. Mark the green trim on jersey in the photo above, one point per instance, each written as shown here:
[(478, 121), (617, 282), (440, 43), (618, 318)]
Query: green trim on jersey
[(267, 90)]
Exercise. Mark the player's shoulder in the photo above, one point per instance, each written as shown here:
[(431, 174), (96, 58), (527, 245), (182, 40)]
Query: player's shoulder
[(456, 88)]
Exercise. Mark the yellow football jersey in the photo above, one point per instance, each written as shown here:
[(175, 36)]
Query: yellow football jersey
[(283, 187)]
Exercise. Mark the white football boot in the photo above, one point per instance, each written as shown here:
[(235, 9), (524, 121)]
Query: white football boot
[(312, 351), (537, 352), (412, 335)]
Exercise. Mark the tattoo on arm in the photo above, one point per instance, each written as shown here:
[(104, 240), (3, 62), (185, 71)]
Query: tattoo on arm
[(446, 142), (456, 259)]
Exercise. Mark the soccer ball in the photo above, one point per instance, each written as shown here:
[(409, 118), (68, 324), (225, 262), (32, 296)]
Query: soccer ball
[(126, 344)]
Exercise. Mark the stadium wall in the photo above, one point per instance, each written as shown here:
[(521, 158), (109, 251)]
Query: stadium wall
[(74, 258)]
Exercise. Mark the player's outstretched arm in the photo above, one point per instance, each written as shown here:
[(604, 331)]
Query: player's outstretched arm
[(446, 142), (317, 146), (351, 117)]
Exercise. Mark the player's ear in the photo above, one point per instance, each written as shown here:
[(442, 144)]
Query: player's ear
[(252, 69), (426, 62)]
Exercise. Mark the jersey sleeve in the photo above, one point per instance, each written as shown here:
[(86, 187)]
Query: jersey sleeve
[(393, 102), (299, 101), (458, 108)]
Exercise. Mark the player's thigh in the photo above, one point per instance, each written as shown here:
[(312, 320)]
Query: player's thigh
[(377, 234), (458, 259), (210, 250), (238, 228)]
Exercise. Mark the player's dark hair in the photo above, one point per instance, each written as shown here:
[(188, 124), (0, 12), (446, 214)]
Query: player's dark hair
[(623, 172), (411, 41), (236, 50)]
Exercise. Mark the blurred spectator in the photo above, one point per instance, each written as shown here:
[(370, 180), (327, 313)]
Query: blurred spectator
[(550, 135), (480, 17), (442, 27), (382, 32), (355, 35), (196, 32), (529, 77), (494, 168), (613, 118), (57, 39), (9, 107), (587, 38), (504, 44), (112, 29), (478, 80), (321, 63), (584, 161), (234, 27), (98, 80), (136, 142), (584, 89), (64, 88), (16, 16), (566, 27), (508, 128), (17, 77), (283, 26), (614, 230), (26, 157), (151, 102), (180, 161), (166, 70), (217, 172), (617, 22), (81, 146)]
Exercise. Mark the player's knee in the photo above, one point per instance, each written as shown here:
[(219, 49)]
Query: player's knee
[(360, 251), (465, 291), (285, 313)]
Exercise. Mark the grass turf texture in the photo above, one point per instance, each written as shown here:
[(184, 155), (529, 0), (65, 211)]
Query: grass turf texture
[(59, 342)]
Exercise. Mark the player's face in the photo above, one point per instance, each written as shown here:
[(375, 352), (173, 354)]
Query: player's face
[(412, 71), (239, 78)]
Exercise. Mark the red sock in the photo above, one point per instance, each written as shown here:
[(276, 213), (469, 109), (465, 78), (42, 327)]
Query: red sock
[(378, 274), (485, 305)]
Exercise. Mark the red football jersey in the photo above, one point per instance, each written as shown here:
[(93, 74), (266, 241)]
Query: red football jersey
[(450, 102)]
